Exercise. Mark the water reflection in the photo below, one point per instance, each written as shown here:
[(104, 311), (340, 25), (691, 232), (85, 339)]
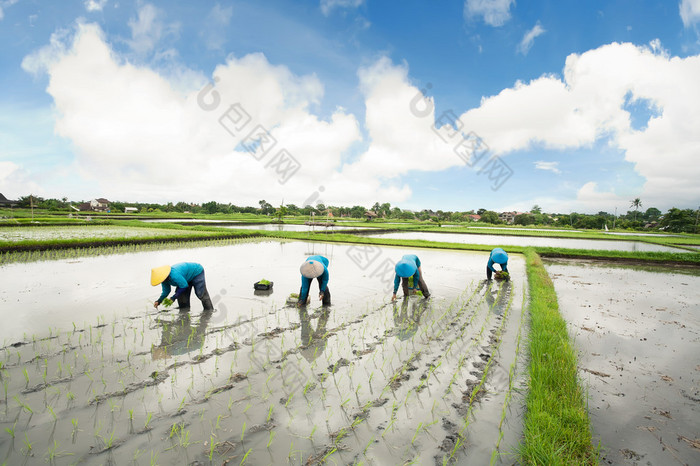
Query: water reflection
[(313, 341), (497, 294), (407, 316), (179, 336)]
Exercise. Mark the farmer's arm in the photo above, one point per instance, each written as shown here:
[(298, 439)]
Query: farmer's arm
[(396, 286), (324, 281), (165, 290), (180, 283), (505, 266), (305, 285), (490, 265)]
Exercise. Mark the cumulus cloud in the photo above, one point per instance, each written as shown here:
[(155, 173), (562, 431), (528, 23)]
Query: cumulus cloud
[(95, 5), (327, 6), (548, 166), (140, 138), (588, 105), (529, 38), (690, 12), (494, 12)]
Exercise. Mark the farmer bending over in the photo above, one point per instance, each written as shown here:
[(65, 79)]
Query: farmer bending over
[(409, 266), (183, 277), (500, 257), (315, 267)]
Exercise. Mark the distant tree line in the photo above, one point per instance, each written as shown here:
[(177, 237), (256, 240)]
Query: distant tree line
[(675, 220)]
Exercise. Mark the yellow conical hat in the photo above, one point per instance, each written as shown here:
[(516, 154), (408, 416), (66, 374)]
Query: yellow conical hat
[(159, 274)]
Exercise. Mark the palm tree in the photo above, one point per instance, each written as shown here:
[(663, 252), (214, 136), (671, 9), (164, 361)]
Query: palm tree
[(636, 203)]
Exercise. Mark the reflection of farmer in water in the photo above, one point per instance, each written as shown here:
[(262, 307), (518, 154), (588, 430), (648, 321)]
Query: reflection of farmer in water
[(407, 317), (497, 297), (409, 267), (315, 267), (497, 256), (313, 342), (183, 277), (179, 336)]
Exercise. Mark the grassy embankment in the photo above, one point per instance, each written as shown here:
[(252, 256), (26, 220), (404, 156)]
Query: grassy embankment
[(556, 429)]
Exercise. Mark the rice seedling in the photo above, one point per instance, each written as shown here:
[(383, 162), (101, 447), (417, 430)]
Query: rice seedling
[(246, 456), (269, 441), (11, 430), (27, 445)]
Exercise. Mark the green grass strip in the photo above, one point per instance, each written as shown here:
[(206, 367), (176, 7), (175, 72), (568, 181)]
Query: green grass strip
[(557, 428)]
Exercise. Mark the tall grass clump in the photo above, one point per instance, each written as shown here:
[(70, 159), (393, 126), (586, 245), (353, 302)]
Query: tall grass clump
[(557, 428)]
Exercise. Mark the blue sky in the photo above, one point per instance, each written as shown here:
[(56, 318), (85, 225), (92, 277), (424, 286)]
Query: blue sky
[(575, 106)]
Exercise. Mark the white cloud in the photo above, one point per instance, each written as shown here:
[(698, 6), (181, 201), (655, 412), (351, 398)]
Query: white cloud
[(15, 181), (148, 30), (588, 105), (329, 5), (140, 138), (529, 38), (95, 5), (495, 12), (549, 166), (218, 20), (690, 12), (4, 4)]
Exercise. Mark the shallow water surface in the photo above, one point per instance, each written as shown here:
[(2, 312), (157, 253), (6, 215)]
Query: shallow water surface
[(95, 375), (503, 240), (637, 331)]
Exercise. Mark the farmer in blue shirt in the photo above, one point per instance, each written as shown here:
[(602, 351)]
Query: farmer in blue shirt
[(409, 266), (497, 256), (315, 267), (183, 277)]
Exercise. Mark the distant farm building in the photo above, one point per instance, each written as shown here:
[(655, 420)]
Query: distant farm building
[(5, 202), (96, 205), (130, 210)]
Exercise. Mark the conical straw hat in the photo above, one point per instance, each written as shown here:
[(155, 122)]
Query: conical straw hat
[(312, 269), (159, 274)]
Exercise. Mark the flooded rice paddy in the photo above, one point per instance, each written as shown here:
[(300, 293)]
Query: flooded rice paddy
[(637, 331), (502, 240), (93, 374), (43, 233)]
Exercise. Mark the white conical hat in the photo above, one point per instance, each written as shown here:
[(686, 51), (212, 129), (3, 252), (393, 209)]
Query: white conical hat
[(312, 269)]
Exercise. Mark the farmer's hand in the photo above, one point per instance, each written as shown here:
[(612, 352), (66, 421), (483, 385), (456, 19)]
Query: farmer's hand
[(393, 297), (320, 296), (155, 304)]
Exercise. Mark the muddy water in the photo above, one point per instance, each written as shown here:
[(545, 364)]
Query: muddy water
[(501, 240), (95, 375), (638, 332)]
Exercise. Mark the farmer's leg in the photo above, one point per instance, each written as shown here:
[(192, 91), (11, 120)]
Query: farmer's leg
[(326, 297), (200, 289), (183, 301), (423, 287), (488, 273), (404, 286)]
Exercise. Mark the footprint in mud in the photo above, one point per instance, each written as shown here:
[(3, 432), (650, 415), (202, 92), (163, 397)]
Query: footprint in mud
[(342, 362), (396, 383)]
